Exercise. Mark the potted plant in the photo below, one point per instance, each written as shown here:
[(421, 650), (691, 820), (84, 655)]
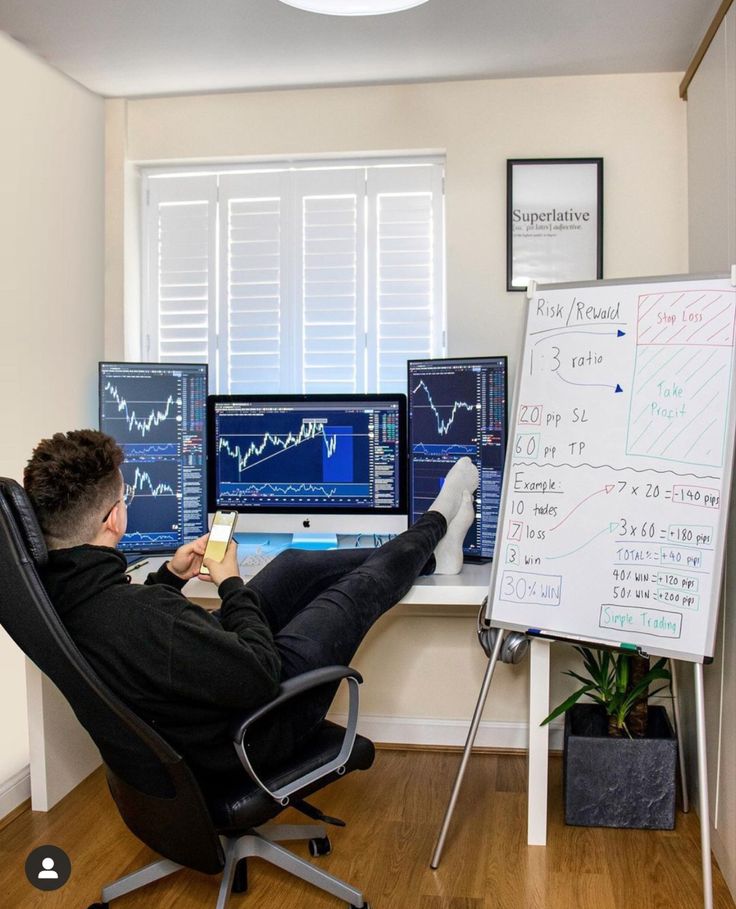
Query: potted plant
[(620, 754)]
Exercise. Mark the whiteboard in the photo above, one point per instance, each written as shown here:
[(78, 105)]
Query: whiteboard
[(613, 517)]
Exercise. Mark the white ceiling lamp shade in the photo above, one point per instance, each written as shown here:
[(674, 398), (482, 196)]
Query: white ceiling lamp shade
[(354, 7)]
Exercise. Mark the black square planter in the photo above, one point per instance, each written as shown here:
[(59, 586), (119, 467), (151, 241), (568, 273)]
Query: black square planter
[(618, 782)]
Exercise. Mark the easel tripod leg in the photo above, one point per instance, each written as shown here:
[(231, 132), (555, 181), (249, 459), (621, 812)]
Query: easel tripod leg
[(472, 732), (703, 788)]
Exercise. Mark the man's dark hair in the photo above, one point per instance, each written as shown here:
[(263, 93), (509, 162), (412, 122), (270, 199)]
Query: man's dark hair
[(72, 479)]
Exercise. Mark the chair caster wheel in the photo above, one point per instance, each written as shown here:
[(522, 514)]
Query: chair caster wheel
[(364, 906), (99, 906), (320, 846)]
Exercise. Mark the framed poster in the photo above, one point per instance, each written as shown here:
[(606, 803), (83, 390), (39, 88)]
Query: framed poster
[(554, 226)]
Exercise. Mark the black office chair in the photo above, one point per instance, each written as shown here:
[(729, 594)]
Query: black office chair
[(155, 791)]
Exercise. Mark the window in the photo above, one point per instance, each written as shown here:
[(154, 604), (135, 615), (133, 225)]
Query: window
[(323, 276)]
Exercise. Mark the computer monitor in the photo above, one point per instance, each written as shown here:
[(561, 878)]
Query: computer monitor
[(157, 414), (309, 463), (458, 407)]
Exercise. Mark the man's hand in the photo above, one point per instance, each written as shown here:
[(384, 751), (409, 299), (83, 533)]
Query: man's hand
[(227, 568), (187, 560)]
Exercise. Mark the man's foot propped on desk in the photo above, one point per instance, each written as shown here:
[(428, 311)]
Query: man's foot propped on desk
[(448, 553), (462, 476)]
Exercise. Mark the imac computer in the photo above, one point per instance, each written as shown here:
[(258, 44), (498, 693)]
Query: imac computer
[(456, 408), (157, 414), (309, 464)]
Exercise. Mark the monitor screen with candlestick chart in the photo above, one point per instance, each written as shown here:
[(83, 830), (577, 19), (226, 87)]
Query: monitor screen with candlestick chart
[(157, 414)]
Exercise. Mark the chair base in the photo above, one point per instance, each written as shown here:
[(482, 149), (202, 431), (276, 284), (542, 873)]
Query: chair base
[(261, 842), (146, 875)]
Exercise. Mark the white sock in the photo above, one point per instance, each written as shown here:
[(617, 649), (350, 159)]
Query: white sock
[(462, 476), (449, 551)]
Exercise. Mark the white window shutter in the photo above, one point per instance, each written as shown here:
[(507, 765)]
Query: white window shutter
[(406, 270), (330, 285), (180, 281), (255, 244), (317, 276)]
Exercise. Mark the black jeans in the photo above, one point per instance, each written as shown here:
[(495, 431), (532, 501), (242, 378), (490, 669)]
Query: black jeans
[(320, 606)]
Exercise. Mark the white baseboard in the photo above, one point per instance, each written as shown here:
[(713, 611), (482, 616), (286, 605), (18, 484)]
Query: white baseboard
[(410, 730), (15, 791)]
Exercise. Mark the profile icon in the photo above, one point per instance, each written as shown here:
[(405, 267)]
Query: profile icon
[(48, 872), (48, 867)]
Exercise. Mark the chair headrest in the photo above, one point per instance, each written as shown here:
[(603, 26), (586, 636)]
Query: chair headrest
[(25, 518)]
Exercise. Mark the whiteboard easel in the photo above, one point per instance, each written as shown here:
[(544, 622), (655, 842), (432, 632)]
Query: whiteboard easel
[(629, 512)]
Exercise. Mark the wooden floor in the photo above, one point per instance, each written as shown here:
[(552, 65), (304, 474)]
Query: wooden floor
[(393, 814)]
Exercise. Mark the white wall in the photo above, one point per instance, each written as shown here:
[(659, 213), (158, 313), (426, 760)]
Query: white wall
[(430, 667), (51, 296), (712, 194)]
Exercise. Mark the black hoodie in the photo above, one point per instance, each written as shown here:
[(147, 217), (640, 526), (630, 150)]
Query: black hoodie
[(175, 665)]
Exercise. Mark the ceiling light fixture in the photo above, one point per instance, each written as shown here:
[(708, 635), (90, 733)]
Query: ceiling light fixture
[(354, 7)]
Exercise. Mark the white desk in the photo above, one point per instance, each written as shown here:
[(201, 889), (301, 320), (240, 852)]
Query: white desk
[(538, 767), (61, 752), (465, 589)]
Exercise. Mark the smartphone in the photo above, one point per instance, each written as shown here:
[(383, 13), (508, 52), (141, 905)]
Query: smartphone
[(221, 532)]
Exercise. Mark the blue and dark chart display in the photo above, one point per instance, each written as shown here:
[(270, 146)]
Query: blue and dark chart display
[(157, 414), (457, 408), (306, 453)]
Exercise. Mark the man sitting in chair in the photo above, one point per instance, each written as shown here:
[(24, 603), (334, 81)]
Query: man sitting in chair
[(185, 671)]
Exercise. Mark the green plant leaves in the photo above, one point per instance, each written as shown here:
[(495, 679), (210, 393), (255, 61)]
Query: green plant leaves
[(608, 684), (567, 704)]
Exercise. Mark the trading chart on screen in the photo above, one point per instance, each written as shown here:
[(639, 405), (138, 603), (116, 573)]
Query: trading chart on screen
[(307, 454), (457, 408), (157, 414)]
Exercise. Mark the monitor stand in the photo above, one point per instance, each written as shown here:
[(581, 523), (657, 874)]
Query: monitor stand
[(314, 541)]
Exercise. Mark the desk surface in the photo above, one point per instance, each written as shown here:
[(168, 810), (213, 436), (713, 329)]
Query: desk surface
[(465, 589)]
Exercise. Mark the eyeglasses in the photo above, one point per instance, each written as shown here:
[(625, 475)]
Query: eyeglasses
[(126, 499)]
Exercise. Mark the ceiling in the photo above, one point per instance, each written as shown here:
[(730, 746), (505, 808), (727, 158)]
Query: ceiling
[(157, 47)]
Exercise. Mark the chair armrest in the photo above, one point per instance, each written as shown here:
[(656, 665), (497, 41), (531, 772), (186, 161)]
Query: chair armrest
[(289, 689)]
